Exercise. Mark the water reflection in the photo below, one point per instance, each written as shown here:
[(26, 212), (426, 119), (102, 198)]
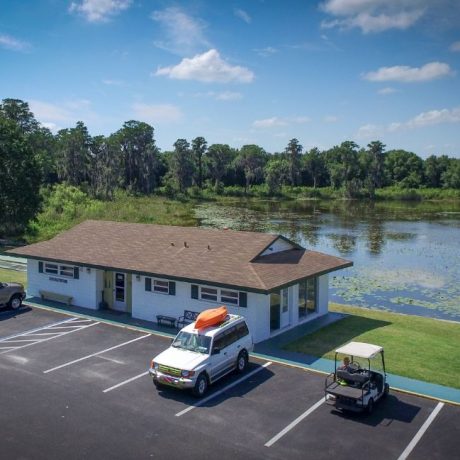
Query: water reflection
[(391, 245)]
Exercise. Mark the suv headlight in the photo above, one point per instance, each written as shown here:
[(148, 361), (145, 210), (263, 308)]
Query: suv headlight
[(187, 374), (154, 365)]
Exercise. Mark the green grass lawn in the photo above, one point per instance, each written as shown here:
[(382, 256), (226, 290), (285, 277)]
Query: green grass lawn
[(415, 347), (12, 276)]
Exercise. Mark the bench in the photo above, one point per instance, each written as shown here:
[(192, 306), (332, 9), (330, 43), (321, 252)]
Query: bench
[(62, 298), (166, 320), (188, 317)]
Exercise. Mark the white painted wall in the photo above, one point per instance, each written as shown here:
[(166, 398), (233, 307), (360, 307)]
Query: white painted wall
[(146, 305), (86, 292), (99, 285), (323, 294), (277, 246), (83, 290)]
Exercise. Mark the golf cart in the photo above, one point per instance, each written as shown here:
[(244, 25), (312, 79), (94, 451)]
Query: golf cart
[(354, 386)]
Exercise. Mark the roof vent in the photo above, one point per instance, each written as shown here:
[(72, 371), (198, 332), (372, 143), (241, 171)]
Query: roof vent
[(185, 244), (209, 247), (172, 244)]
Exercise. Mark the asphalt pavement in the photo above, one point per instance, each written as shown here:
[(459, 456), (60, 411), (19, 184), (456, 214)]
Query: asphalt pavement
[(77, 388)]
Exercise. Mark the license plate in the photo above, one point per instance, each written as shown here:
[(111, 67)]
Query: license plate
[(170, 380)]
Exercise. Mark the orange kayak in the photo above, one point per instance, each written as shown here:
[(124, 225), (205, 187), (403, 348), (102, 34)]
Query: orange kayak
[(211, 317)]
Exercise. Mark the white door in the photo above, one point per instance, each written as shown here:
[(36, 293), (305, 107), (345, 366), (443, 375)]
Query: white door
[(119, 291), (284, 310)]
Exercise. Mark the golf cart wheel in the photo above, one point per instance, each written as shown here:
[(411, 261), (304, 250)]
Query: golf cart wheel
[(386, 390), (15, 302), (201, 385), (242, 362), (370, 406)]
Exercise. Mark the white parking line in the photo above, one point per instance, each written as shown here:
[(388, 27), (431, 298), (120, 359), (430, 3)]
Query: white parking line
[(37, 341), (421, 432), (29, 332), (217, 393), (94, 354), (294, 423), (125, 382)]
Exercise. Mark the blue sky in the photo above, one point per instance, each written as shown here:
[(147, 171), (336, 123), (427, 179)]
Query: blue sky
[(241, 72)]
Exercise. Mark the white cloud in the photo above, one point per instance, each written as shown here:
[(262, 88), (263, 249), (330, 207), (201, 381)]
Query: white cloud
[(374, 15), (386, 91), (11, 43), (110, 82), (243, 15), (49, 112), (299, 120), (269, 122), (99, 10), (331, 119), (207, 67), (228, 96), (277, 121), (406, 74), (157, 113), (219, 96), (66, 113), (182, 33), (370, 131), (52, 127), (422, 120), (455, 47), (434, 117), (266, 52)]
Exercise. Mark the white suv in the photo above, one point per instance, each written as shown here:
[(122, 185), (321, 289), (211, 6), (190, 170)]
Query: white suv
[(197, 358)]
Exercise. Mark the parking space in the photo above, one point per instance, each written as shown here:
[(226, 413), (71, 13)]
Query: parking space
[(91, 378), (24, 319)]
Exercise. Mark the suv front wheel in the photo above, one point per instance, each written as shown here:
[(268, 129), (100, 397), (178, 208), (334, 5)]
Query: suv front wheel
[(201, 385)]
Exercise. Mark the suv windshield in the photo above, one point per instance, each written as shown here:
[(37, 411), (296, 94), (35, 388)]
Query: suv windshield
[(192, 342)]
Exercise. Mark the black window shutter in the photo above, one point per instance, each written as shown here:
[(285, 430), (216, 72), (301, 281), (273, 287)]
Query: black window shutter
[(76, 272), (40, 267), (172, 288), (243, 299), (194, 291), (148, 284)]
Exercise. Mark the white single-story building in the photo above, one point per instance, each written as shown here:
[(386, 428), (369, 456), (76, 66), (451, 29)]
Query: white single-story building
[(148, 270)]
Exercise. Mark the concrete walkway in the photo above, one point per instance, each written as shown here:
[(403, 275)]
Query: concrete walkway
[(270, 349)]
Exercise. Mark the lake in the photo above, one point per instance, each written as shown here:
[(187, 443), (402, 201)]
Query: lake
[(406, 255)]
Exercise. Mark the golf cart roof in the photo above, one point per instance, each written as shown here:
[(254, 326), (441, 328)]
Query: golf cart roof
[(360, 349)]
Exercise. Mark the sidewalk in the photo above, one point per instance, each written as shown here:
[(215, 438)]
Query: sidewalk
[(270, 349)]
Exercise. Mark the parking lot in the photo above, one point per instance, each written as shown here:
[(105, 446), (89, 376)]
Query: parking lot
[(78, 388)]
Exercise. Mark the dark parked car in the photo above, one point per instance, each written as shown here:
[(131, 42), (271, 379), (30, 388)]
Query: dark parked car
[(11, 295)]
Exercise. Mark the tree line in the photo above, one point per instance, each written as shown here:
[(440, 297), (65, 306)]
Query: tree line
[(31, 157)]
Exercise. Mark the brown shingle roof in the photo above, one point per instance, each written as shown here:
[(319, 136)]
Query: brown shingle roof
[(182, 253)]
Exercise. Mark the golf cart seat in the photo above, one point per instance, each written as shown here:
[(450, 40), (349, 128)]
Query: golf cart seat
[(352, 378)]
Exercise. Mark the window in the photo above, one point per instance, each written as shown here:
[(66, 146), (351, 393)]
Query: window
[(242, 330), (307, 297), (66, 270), (221, 295), (62, 270), (161, 286), (219, 342), (229, 297), (208, 294), (285, 297), (51, 269)]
